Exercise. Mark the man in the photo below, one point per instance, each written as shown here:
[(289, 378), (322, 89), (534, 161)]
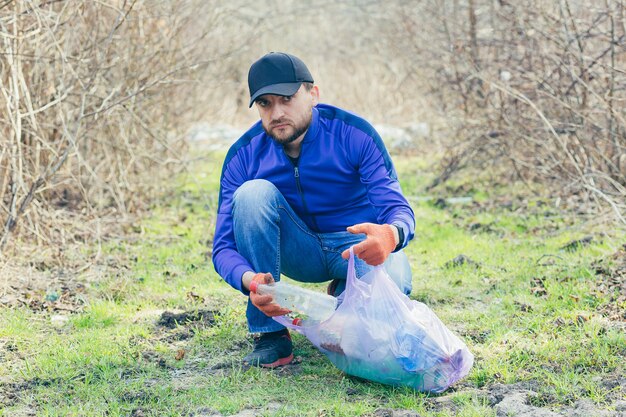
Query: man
[(297, 190)]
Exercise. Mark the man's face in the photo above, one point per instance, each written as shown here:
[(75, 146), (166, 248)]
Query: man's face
[(285, 119)]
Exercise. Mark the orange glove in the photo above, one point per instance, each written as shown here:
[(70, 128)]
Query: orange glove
[(265, 302), (380, 242)]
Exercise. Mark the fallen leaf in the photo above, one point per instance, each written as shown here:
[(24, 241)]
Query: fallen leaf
[(538, 288), (195, 297), (180, 354), (538, 291)]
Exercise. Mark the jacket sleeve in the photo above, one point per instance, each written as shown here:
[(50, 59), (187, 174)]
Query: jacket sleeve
[(379, 176), (227, 261)]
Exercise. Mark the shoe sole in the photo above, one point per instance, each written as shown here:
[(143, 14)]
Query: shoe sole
[(280, 362)]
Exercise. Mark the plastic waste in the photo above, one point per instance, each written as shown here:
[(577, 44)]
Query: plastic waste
[(380, 334), (315, 305), (415, 350)]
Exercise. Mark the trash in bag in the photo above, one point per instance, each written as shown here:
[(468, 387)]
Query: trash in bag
[(380, 334)]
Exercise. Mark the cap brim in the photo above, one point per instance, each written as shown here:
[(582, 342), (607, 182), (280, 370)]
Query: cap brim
[(284, 89)]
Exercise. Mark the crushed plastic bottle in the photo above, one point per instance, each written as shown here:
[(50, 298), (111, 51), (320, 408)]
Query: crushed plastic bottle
[(417, 352), (315, 305)]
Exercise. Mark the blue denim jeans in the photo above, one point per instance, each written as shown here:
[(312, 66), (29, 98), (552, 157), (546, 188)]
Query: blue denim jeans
[(274, 239)]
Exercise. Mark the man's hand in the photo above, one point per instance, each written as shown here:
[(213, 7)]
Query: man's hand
[(265, 302), (381, 240)]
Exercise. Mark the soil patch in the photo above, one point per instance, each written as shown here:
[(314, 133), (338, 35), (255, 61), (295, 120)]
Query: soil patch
[(269, 409), (611, 282), (56, 279), (13, 393), (172, 320), (525, 399), (55, 290)]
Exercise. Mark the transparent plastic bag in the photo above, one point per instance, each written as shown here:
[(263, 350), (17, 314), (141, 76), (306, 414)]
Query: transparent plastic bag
[(380, 334)]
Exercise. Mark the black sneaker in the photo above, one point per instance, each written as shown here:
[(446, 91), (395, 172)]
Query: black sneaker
[(336, 287), (271, 350)]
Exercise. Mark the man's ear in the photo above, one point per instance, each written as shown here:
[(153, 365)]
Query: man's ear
[(315, 95)]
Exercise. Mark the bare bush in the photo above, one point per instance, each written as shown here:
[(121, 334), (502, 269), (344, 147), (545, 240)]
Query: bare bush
[(94, 98), (540, 86)]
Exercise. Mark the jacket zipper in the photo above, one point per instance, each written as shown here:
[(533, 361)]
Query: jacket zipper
[(296, 174)]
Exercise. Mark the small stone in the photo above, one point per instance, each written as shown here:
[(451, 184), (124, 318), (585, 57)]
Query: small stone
[(59, 320)]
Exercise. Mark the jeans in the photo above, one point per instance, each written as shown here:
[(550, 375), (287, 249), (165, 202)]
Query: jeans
[(274, 239)]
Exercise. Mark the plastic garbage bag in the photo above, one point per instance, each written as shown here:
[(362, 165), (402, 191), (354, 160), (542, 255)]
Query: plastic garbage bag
[(380, 334)]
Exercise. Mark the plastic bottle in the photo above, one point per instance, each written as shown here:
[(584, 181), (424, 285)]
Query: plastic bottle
[(315, 305), (416, 351), (298, 321)]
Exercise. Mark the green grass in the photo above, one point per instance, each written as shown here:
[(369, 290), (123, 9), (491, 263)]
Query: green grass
[(529, 311)]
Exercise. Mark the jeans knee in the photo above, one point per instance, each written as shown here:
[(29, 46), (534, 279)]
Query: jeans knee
[(254, 193), (255, 201)]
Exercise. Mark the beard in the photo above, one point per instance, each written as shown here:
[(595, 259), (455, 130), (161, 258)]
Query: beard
[(298, 130)]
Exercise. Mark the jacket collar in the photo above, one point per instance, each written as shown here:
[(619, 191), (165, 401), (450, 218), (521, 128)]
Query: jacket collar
[(311, 133)]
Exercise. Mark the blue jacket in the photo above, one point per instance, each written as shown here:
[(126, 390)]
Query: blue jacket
[(344, 177)]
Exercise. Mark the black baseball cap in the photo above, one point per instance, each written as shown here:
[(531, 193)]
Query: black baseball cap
[(277, 73)]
